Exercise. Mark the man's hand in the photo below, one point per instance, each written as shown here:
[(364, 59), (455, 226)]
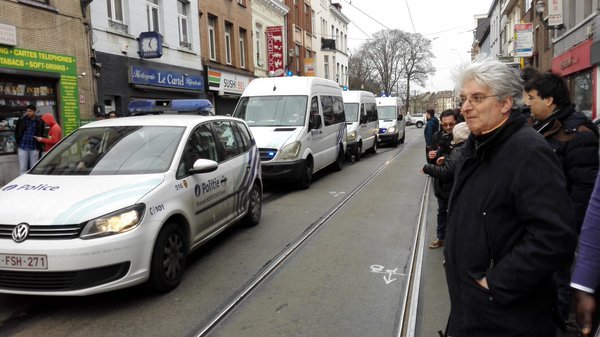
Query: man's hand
[(37, 138), (440, 161), (431, 154), (584, 310)]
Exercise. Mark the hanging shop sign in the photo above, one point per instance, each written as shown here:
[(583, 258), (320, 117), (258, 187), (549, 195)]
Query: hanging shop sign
[(275, 50), (65, 65), (523, 39), (164, 78)]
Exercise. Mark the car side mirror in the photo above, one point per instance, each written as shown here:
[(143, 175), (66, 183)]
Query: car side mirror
[(203, 166), (315, 122)]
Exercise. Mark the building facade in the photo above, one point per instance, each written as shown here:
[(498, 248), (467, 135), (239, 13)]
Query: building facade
[(146, 49), (268, 22), (300, 49), (330, 27), (226, 40), (44, 61)]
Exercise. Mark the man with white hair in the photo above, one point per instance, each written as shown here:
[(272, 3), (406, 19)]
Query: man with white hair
[(505, 235)]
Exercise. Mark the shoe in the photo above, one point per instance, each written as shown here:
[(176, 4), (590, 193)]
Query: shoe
[(437, 243)]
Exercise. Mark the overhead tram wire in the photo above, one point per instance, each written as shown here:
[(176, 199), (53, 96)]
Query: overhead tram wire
[(367, 15), (410, 16)]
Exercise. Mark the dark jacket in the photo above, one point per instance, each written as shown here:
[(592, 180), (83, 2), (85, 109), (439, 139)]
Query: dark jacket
[(574, 138), (20, 130), (442, 143), (444, 174), (432, 126), (504, 224)]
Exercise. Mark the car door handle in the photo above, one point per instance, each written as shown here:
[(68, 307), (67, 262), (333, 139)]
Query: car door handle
[(223, 180)]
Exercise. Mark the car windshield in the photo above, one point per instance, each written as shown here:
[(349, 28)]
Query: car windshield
[(112, 151), (272, 110), (351, 112), (387, 112)]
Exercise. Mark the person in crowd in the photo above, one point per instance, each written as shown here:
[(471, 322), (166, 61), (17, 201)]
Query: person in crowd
[(100, 116), (505, 235), (440, 147), (431, 127), (527, 74), (28, 127), (113, 114), (574, 138), (586, 274), (54, 134)]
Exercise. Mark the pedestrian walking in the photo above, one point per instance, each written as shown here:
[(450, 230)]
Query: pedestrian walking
[(441, 145), (586, 274), (54, 134), (431, 127), (574, 138), (505, 235), (28, 127)]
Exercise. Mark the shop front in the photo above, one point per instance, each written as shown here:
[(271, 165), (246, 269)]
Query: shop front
[(576, 67), (225, 89), (46, 80), (124, 79)]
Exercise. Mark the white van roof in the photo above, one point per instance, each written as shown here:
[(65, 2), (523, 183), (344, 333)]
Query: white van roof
[(294, 85), (388, 101), (354, 96)]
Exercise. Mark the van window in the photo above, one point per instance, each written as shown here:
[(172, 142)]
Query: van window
[(272, 110), (333, 110), (387, 112), (371, 112), (351, 111)]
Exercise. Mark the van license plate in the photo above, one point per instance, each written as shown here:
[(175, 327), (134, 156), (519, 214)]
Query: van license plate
[(18, 261)]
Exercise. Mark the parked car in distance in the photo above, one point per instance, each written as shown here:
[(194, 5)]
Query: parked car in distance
[(124, 201), (417, 119)]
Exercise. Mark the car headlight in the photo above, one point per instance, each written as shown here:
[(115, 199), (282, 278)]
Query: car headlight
[(351, 136), (290, 151), (117, 222), (391, 130)]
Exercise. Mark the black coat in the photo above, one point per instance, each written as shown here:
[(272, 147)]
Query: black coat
[(509, 220), (444, 174), (574, 138), (20, 130)]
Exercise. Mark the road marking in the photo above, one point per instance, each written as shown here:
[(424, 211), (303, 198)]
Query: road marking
[(337, 194), (389, 273)]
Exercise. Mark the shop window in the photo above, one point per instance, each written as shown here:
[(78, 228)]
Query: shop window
[(581, 89), (15, 94)]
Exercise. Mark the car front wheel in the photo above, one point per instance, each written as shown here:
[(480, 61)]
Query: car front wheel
[(168, 258)]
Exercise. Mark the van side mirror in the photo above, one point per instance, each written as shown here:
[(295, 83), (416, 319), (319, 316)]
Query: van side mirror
[(314, 122)]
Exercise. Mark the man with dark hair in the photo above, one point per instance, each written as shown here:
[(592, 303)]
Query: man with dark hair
[(574, 138), (28, 127), (441, 142), (527, 74), (432, 126)]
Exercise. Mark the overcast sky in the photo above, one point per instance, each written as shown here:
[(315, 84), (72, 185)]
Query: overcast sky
[(448, 23)]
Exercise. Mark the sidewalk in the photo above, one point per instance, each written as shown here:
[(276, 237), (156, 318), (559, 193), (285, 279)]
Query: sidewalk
[(434, 303)]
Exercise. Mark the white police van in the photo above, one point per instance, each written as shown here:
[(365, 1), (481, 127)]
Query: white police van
[(362, 122), (299, 125), (123, 201), (391, 124)]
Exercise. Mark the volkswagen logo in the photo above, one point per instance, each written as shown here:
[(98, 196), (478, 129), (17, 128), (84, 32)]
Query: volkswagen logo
[(20, 232)]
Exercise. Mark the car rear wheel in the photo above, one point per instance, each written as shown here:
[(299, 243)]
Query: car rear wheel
[(419, 124), (168, 258), (252, 217)]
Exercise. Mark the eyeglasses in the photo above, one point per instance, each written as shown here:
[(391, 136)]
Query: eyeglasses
[(474, 99), (448, 124)]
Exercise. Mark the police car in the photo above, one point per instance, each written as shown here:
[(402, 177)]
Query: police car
[(124, 201)]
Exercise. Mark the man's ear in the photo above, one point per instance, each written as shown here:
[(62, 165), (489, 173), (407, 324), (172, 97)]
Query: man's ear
[(507, 104), (549, 101)]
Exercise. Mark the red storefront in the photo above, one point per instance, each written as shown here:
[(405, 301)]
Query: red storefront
[(576, 67)]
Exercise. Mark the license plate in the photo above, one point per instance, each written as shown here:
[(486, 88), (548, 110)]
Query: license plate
[(18, 261)]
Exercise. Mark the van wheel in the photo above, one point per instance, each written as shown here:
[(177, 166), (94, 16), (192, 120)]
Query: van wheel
[(358, 153), (306, 177), (419, 124), (403, 137), (373, 149), (395, 142), (168, 258), (252, 217), (338, 165)]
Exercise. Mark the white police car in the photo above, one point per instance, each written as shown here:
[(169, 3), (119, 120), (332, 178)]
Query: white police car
[(123, 201)]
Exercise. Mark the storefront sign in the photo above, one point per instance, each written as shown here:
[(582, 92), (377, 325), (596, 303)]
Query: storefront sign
[(275, 50), (523, 44), (555, 13), (163, 78), (225, 82), (573, 60), (66, 66), (8, 35)]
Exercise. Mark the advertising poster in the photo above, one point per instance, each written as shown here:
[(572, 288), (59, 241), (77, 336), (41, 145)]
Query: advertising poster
[(275, 50), (523, 39)]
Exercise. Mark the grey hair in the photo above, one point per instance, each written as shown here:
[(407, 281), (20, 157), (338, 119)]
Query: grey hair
[(502, 80)]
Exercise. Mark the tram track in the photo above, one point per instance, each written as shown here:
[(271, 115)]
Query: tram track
[(408, 305)]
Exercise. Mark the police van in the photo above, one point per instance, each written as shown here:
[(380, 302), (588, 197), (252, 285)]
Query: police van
[(362, 122), (124, 201), (299, 126), (391, 120)]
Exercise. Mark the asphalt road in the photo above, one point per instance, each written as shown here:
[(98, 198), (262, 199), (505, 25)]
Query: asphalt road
[(333, 286)]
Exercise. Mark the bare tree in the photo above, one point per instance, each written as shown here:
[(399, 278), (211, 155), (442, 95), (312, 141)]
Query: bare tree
[(361, 74), (416, 62), (384, 52)]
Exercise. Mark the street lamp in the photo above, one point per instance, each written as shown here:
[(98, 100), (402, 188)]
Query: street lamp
[(540, 6)]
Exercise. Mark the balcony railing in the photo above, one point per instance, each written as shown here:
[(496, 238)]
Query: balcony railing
[(117, 26)]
